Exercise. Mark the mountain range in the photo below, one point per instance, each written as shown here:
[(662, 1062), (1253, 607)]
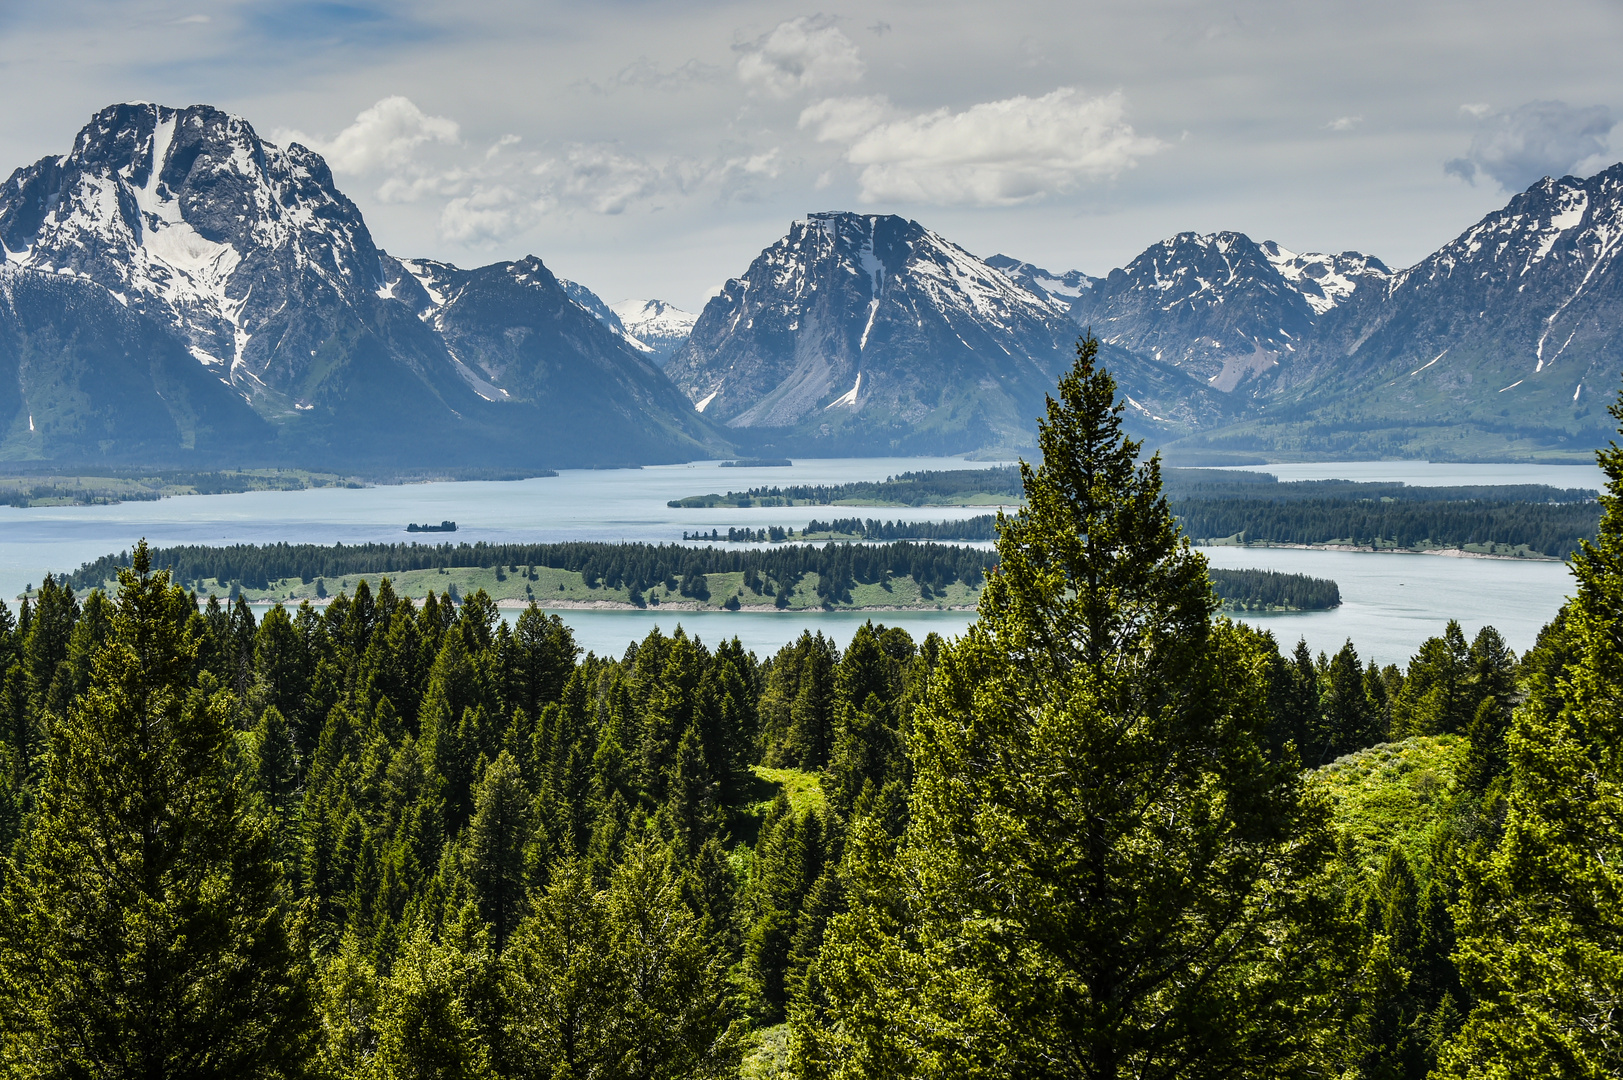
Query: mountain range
[(177, 291)]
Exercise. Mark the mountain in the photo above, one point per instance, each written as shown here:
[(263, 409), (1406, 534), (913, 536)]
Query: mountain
[(662, 327), (1220, 306), (1061, 290), (872, 334), (247, 257), (1503, 343), (1513, 326), (79, 368)]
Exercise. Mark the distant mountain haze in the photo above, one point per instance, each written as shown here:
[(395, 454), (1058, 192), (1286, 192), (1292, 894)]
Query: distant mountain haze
[(178, 292)]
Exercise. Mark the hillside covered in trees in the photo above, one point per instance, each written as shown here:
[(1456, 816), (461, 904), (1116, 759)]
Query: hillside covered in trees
[(1106, 833)]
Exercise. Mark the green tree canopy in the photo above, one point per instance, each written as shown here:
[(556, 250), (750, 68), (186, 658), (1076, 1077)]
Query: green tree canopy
[(146, 928), (1541, 918), (1103, 874)]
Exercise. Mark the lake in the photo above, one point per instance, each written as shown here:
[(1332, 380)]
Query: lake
[(1390, 602)]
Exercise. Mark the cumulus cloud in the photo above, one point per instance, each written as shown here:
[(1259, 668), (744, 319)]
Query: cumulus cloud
[(808, 53), (495, 192), (997, 153), (491, 213), (1344, 123), (844, 119), (1518, 147), (382, 137), (602, 177)]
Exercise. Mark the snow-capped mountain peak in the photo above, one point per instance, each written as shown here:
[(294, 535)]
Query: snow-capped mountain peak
[(659, 327), (186, 215), (1060, 290), (1325, 280), (874, 321)]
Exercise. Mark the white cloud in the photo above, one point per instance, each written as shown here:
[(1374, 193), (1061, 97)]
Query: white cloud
[(1518, 147), (643, 73), (1478, 109), (1344, 123), (808, 53), (491, 214), (844, 119), (601, 177), (757, 164), (997, 153), (384, 136)]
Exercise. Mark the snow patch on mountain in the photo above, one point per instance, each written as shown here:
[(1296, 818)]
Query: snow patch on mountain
[(659, 327), (1060, 290), (1325, 281)]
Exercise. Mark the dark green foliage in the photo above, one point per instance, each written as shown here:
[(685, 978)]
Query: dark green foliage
[(1539, 944), (907, 489), (1552, 529), (147, 929), (1262, 589), (640, 566), (1102, 875)]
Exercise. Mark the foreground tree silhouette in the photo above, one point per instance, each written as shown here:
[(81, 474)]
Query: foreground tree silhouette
[(1103, 874), (1541, 916), (145, 929)]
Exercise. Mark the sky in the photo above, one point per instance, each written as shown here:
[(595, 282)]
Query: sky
[(651, 150)]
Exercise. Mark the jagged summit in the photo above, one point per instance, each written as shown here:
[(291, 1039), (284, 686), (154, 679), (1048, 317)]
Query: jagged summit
[(872, 328), (662, 328), (1061, 290), (248, 256), (1220, 306), (189, 217), (1515, 321)]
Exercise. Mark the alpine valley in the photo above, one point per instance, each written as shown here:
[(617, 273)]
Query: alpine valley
[(178, 292)]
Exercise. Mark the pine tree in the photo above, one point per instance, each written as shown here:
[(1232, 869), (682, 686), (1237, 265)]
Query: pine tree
[(426, 1025), (1437, 696), (1540, 919), (495, 846), (1102, 876), (675, 1020), (1348, 716), (564, 990), (147, 926)]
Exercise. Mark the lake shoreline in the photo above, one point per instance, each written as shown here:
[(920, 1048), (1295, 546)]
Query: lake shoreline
[(1449, 553)]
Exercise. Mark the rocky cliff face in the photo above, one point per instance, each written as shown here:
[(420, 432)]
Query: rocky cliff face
[(1219, 306)]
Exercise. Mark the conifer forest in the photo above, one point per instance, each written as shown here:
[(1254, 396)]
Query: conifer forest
[(1107, 833)]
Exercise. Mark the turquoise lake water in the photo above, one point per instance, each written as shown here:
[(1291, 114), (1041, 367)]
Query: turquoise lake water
[(1390, 602)]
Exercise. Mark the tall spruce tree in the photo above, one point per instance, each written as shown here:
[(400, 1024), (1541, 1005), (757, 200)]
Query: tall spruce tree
[(146, 925), (1540, 920), (1103, 874)]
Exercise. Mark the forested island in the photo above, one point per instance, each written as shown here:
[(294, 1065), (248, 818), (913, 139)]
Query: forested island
[(792, 577), (1107, 833), (1515, 521)]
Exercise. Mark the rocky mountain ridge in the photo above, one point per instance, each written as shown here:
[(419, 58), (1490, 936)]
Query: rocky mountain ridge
[(176, 290), (248, 256), (870, 330)]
